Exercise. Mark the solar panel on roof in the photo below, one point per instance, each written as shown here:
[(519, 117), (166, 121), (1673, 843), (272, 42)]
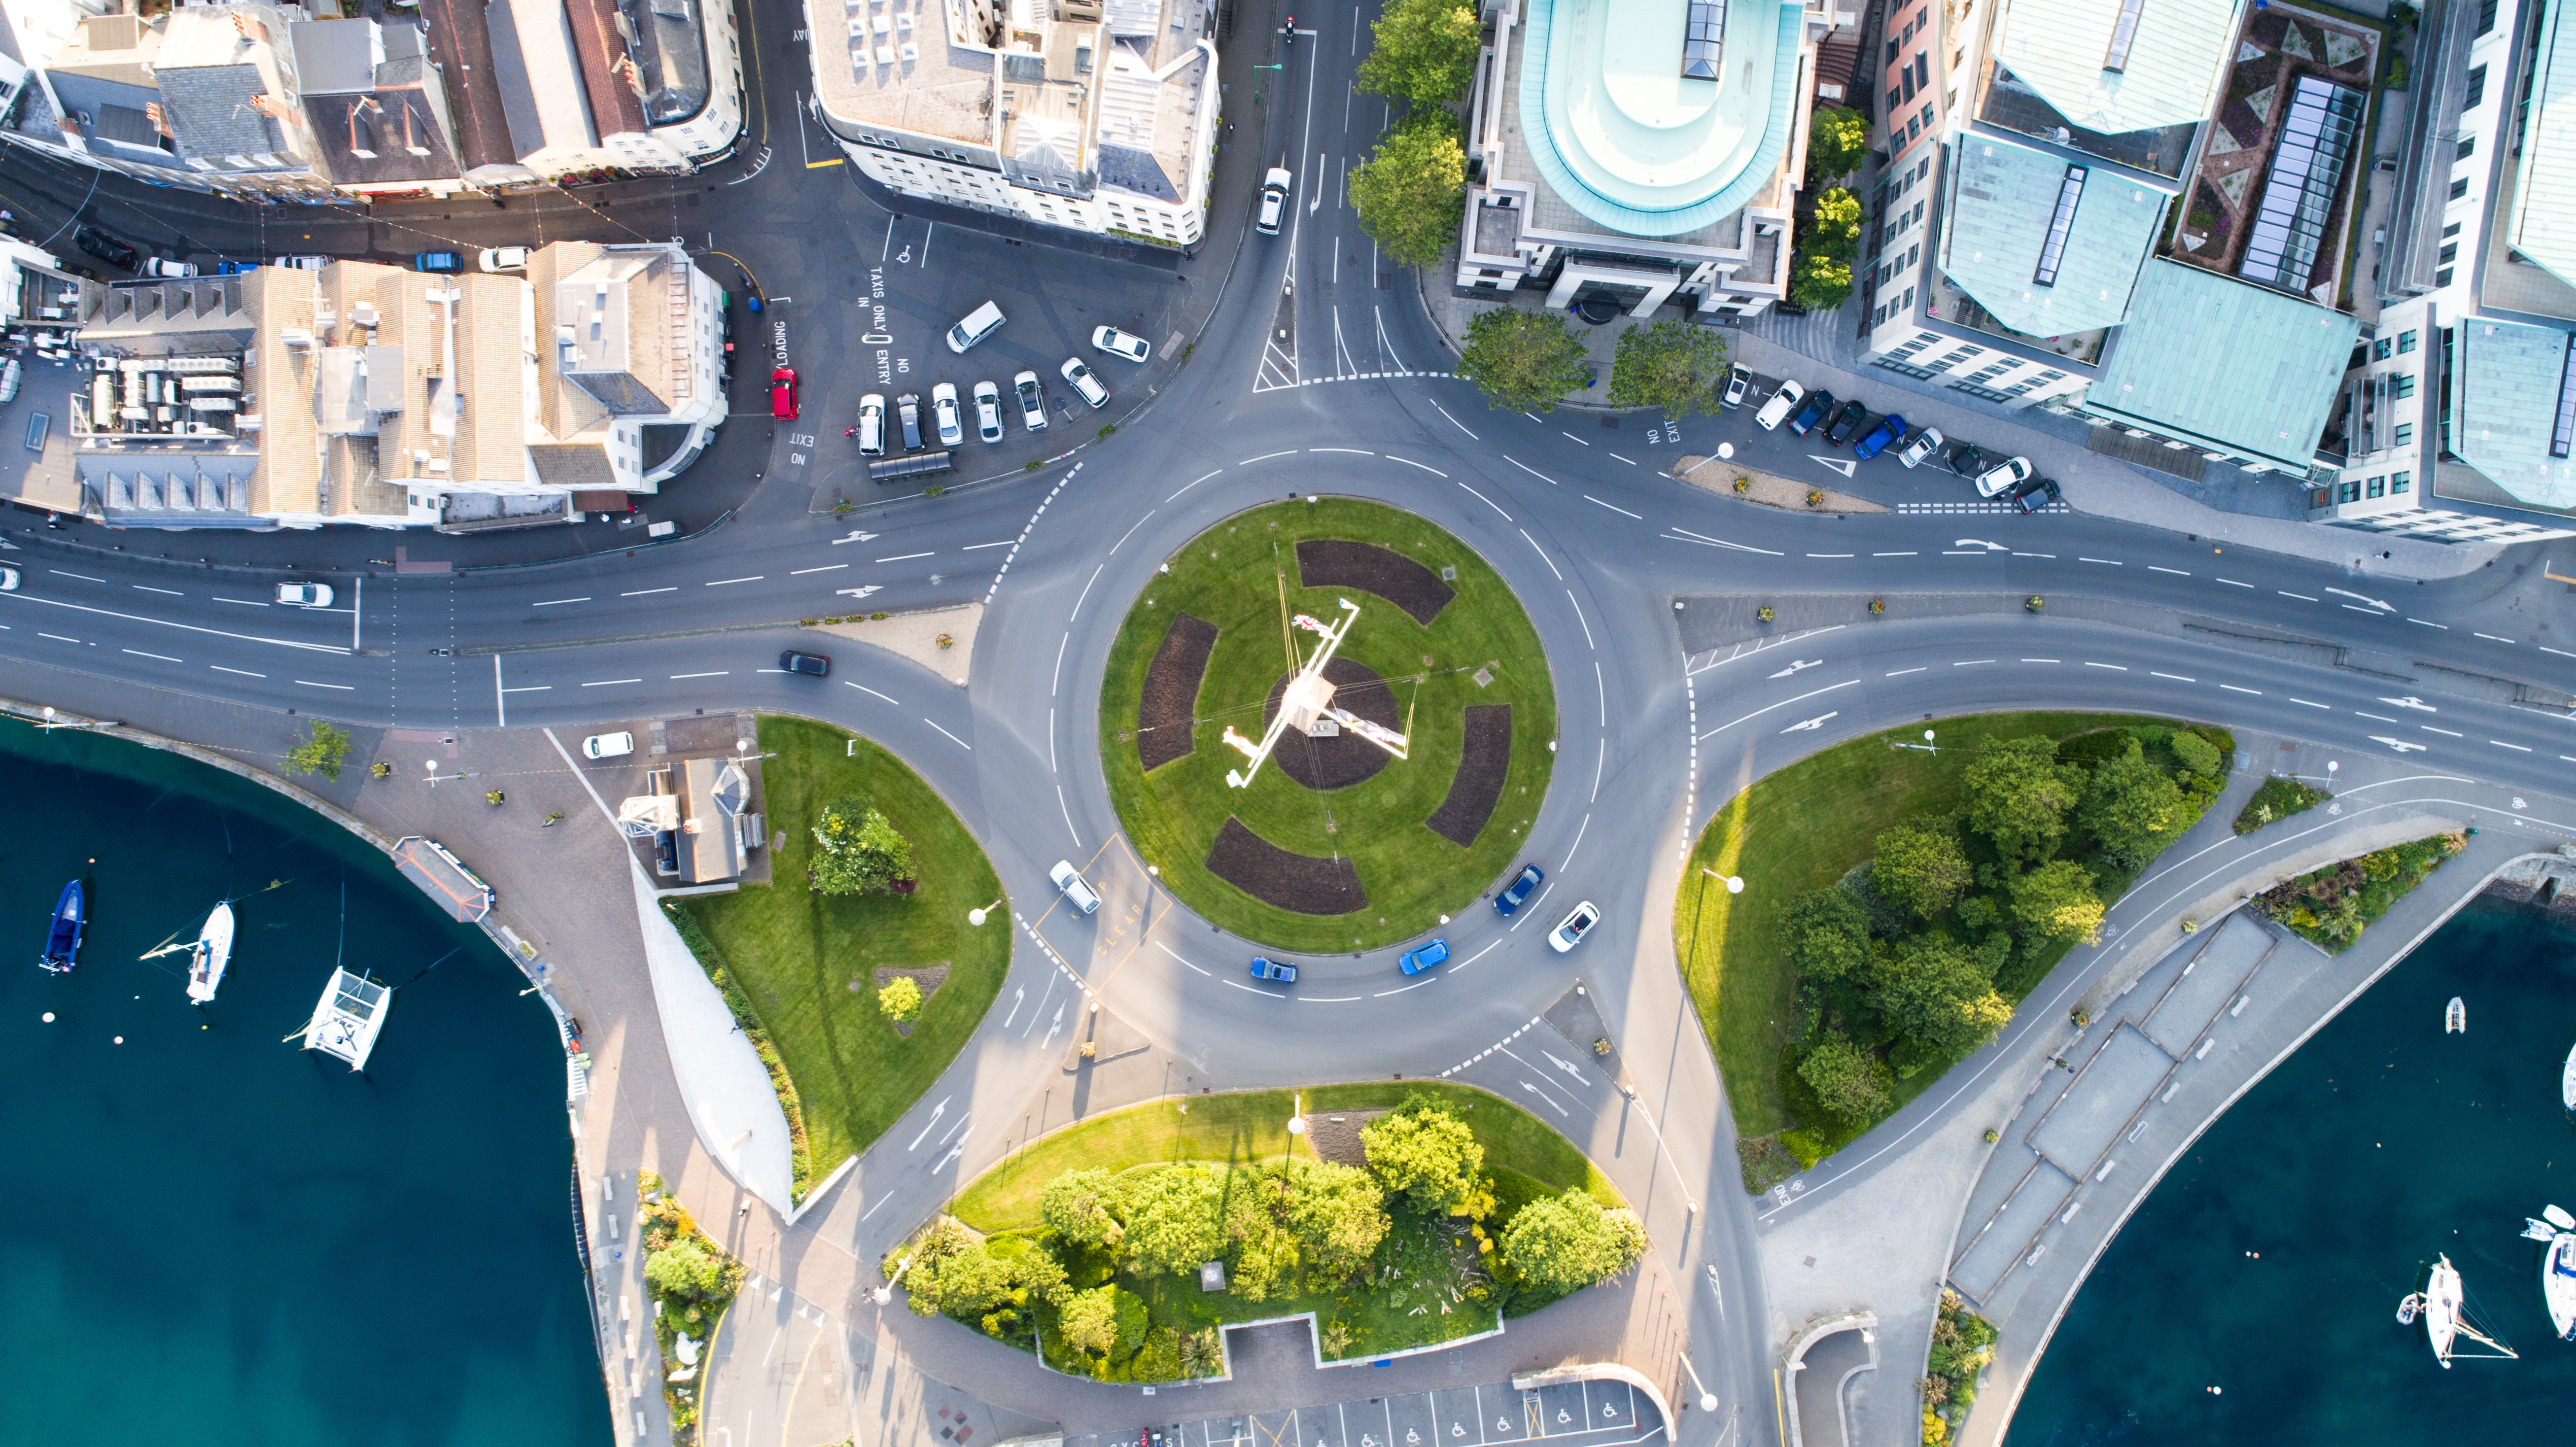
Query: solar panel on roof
[(1703, 35), (2053, 250)]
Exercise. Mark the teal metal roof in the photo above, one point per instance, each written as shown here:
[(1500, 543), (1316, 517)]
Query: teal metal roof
[(1632, 143), (2058, 47), (2543, 223), (2003, 198), (2503, 403), (2211, 359)]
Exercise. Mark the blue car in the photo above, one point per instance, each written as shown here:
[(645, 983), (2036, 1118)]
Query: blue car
[(1424, 956), (1273, 970), (438, 261), (1881, 437), (1513, 898)]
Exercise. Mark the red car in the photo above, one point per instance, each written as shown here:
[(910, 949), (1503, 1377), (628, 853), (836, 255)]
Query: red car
[(782, 394)]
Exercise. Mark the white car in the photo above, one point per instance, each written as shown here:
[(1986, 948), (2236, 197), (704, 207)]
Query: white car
[(1776, 411), (872, 425), (1032, 401), (161, 266), (8, 580), (2003, 477), (1739, 380), (1088, 386), (1077, 890), (503, 258), (988, 412), (608, 746), (1922, 445), (304, 595), (1121, 344), (1274, 200), (304, 263), (943, 407), (1578, 924)]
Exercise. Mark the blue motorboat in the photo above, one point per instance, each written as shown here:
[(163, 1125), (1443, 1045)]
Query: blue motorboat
[(62, 941)]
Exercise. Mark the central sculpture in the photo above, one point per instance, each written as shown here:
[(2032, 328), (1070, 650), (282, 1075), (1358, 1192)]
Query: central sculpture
[(1308, 707)]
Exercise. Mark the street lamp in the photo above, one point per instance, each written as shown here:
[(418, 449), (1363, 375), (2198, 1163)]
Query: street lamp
[(975, 917), (1734, 882), (1297, 1115)]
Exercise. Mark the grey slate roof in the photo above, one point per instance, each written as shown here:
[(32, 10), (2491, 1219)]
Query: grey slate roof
[(209, 107), (2505, 400), (2240, 367), (1137, 171), (2002, 198)]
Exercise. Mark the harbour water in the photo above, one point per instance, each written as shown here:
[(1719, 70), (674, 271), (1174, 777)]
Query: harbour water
[(2269, 1262), (214, 1237)]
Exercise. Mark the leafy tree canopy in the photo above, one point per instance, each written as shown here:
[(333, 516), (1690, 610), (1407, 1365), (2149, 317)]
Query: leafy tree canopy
[(1833, 227), (1837, 139), (858, 850), (321, 751), (2132, 808), (1563, 1242), (2019, 795), (1338, 1214), (1423, 51), (1672, 365), (1920, 866), (1820, 283), (1849, 1081), (1826, 933), (1080, 1205), (1526, 361), (1422, 1151), (2056, 902), (1931, 989), (1413, 190), (1174, 1219), (1089, 1322)]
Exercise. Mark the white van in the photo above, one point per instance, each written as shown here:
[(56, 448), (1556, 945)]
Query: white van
[(980, 323), (608, 746), (1776, 411)]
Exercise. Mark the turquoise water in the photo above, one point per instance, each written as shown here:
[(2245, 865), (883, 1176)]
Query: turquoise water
[(2379, 1144), (212, 1237)]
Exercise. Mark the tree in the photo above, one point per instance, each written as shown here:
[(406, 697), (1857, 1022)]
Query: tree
[(858, 850), (1837, 139), (1847, 1080), (1826, 935), (2197, 754), (1426, 1153), (1559, 1243), (1078, 1204), (2132, 808), (2018, 795), (1338, 1214), (1423, 51), (1833, 225), (1526, 361), (1174, 1220), (1089, 1322), (1932, 990), (900, 1000), (321, 751), (1820, 283), (686, 1269), (1411, 193), (1672, 365), (1919, 865), (2056, 902)]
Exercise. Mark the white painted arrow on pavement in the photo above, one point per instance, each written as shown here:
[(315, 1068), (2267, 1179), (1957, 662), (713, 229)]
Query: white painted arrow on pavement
[(1843, 465), (1565, 1065), (854, 538), (1017, 998), (954, 1152), (2400, 745), (2373, 602), (1814, 723), (1054, 1026), (936, 1112), (1794, 667), (856, 592), (2410, 701)]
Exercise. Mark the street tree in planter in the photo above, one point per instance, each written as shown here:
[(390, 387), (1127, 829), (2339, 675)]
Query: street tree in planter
[(1525, 361), (1837, 139), (1672, 365), (1412, 191), (1820, 283), (1423, 51)]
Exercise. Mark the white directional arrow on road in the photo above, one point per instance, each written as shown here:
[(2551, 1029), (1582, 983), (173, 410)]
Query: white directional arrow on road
[(1794, 667), (2400, 745), (854, 538), (936, 1112), (1980, 543), (1814, 723), (2410, 701), (1843, 465), (954, 1152), (1053, 1027), (1568, 1066), (2373, 602), (856, 592)]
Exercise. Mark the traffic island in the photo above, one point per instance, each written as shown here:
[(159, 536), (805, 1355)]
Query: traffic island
[(1381, 788)]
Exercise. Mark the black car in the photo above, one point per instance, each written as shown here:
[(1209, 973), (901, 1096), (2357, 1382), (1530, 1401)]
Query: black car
[(812, 664), (2034, 494), (1819, 406), (107, 248), (908, 408), (1969, 460), (1847, 423)]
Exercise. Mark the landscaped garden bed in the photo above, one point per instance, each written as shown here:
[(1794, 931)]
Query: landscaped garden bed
[(1963, 1344), (2330, 907), (691, 1282), (2278, 799)]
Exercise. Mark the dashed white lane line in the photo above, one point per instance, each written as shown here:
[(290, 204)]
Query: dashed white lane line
[(719, 673), (2446, 733), (1400, 989), (1354, 451), (1900, 673), (1542, 554), (1578, 441), (2491, 638), (2107, 562), (1122, 537), (2445, 627), (58, 638), (1579, 618), (905, 557), (148, 588), (1409, 462), (1265, 457), (952, 738), (2231, 582), (2114, 667), (2043, 660), (2232, 688), (1487, 501), (2357, 608), (870, 692), (1971, 662), (1621, 511), (2176, 677), (1829, 555), (1622, 459), (971, 547), (2561, 652), (2375, 717), (84, 577), (559, 602), (2517, 748), (342, 687), (244, 672), (2297, 700), (603, 683), (1193, 482), (2177, 572), (1690, 536), (1532, 471), (2302, 597), (1891, 555), (2052, 557), (1784, 703), (836, 567), (729, 582), (640, 592), (1454, 422), (139, 653), (243, 602)]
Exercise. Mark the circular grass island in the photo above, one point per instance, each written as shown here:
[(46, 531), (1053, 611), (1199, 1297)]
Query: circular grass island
[(1335, 846)]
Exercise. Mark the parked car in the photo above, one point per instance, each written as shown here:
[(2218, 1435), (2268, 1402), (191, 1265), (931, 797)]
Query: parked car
[(1881, 437), (1032, 401), (1776, 411), (304, 595), (107, 248), (1511, 899), (502, 258), (907, 412), (303, 263), (1739, 380), (1273, 970), (1847, 423), (1274, 200), (2003, 477), (608, 746), (438, 261), (988, 412), (2035, 494), (1084, 384), (872, 425), (1578, 924), (163, 266), (1424, 956), (1819, 406), (1920, 446), (782, 394), (812, 665), (1967, 459), (1077, 890), (943, 410), (1121, 344), (235, 268), (978, 324)]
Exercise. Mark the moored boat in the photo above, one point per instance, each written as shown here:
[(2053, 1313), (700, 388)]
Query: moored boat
[(2558, 1284), (63, 936), (213, 950), (348, 1016), (2446, 1319), (2567, 1081), (2455, 1017)]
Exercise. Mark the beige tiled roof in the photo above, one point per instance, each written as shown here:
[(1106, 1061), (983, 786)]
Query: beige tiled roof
[(491, 427)]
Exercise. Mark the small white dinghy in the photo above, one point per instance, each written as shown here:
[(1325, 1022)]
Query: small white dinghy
[(213, 951), (2455, 1017), (2558, 1284), (2567, 1081)]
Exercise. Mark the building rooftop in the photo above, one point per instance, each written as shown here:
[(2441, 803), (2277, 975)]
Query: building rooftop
[(461, 42), (2118, 65), (939, 89), (2013, 207), (670, 53), (2507, 392), (2541, 223), (2240, 367)]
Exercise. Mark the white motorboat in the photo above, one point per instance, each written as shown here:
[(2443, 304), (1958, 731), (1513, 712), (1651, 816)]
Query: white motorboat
[(2455, 1017), (213, 951), (2567, 1081), (2446, 1322), (2558, 1284)]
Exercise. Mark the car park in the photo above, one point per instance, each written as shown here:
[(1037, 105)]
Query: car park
[(608, 746), (978, 324), (1920, 446), (1274, 200), (872, 425), (1077, 890), (1739, 380), (107, 248), (1121, 344), (1423, 957), (1512, 898), (1847, 423), (812, 665), (304, 595), (943, 410), (782, 394), (2035, 494), (1578, 924), (988, 411), (1776, 411), (1273, 970), (1819, 406), (1968, 460), (8, 580), (1032, 401), (441, 262), (1881, 437), (1084, 384), (2003, 477), (907, 412), (164, 267)]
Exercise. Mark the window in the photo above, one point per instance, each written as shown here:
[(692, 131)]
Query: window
[(2347, 492), (2486, 16), (2459, 187), (2124, 33), (2405, 385), (2450, 253), (2468, 148), (1907, 77), (1895, 98), (2477, 88), (2379, 350), (2442, 277), (1913, 128), (2405, 433), (2378, 486), (2399, 482), (2405, 343), (1923, 71), (1891, 52), (2563, 431), (1703, 32), (2052, 251)]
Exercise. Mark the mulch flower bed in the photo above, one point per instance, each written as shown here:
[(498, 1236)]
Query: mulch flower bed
[(1300, 883), (1171, 694), (1342, 760), (1368, 568), (1483, 763)]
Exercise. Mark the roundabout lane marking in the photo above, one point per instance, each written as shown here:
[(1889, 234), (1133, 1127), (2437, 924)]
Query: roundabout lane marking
[(1487, 501)]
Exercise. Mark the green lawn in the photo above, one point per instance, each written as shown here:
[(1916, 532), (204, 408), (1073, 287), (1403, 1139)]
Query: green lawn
[(1231, 576), (794, 953), (1800, 829)]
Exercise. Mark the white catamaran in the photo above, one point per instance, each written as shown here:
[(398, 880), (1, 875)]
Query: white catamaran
[(212, 951), (346, 1019), (2444, 1305)]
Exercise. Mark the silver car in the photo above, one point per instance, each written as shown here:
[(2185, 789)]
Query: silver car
[(1077, 890), (988, 412), (1032, 401), (943, 406), (1086, 385)]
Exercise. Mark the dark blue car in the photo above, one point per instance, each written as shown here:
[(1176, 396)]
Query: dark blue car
[(1881, 437), (1273, 970), (1424, 956), (1513, 898), (438, 261)]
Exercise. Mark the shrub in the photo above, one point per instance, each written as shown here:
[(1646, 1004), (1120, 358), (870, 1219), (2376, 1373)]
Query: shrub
[(1807, 1145), (321, 751), (1851, 1082), (2278, 799), (859, 851), (900, 1000), (2197, 754)]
